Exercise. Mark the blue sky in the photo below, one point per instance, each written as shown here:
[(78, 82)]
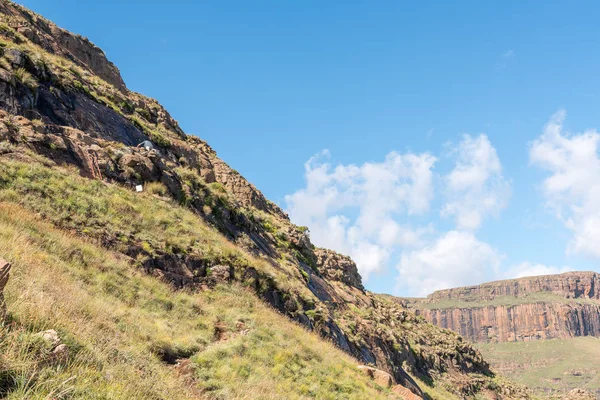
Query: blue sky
[(465, 96)]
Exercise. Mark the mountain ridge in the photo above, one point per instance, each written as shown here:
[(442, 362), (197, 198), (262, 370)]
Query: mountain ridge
[(573, 284), (67, 113)]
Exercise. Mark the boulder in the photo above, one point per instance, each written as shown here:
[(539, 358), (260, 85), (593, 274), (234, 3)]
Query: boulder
[(50, 337), (380, 377), (60, 353), (15, 57), (405, 394), (220, 273)]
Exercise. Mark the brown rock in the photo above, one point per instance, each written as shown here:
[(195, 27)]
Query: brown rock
[(380, 377), (338, 267), (580, 285), (404, 393), (220, 273), (4, 275), (521, 322), (60, 353)]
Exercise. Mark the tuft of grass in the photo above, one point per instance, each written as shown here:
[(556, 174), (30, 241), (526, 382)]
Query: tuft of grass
[(157, 188), (24, 77)]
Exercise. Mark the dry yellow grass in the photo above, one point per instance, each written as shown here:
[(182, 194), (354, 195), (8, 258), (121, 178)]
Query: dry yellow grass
[(118, 323)]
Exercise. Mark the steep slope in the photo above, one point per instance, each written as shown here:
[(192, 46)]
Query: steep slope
[(125, 331), (199, 225)]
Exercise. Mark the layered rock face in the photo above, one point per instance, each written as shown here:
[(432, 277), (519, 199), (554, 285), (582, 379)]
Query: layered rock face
[(544, 307), (60, 42), (520, 322)]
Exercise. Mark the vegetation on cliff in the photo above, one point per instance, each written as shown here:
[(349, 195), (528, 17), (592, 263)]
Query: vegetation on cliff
[(87, 251)]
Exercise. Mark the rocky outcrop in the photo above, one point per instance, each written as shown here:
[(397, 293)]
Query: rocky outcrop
[(380, 377), (338, 267), (570, 285), (543, 307), (60, 42), (4, 275)]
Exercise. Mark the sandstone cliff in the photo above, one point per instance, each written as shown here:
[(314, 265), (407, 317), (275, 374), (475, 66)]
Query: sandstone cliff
[(571, 285), (543, 307)]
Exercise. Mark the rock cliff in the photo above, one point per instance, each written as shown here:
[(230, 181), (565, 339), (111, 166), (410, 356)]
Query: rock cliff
[(544, 307), (570, 285), (64, 107)]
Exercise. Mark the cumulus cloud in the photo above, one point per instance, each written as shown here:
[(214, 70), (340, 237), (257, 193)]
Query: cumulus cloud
[(476, 187), (572, 190), (366, 210), (356, 209), (529, 269), (455, 259)]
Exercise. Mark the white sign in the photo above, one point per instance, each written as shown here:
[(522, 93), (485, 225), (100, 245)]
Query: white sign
[(139, 188)]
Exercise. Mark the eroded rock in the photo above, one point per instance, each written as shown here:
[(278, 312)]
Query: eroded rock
[(4, 276), (531, 320), (380, 377), (338, 267)]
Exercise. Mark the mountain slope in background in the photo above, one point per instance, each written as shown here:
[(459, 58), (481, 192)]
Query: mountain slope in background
[(155, 294), (509, 317)]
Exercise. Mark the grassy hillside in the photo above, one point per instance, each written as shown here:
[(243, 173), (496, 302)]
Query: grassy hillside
[(100, 263), (551, 366), (125, 328)]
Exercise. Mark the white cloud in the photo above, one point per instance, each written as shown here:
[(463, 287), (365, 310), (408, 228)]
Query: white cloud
[(508, 54), (572, 190), (528, 269), (364, 211), (455, 259), (476, 187), (356, 209)]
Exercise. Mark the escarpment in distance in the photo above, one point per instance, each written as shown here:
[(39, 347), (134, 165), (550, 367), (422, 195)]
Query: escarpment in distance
[(542, 307)]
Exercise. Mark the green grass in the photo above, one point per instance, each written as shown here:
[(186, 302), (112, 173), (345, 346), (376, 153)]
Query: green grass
[(507, 301), (119, 323), (119, 218), (548, 366)]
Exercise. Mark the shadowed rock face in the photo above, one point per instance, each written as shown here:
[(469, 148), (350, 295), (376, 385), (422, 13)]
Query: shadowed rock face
[(545, 307)]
